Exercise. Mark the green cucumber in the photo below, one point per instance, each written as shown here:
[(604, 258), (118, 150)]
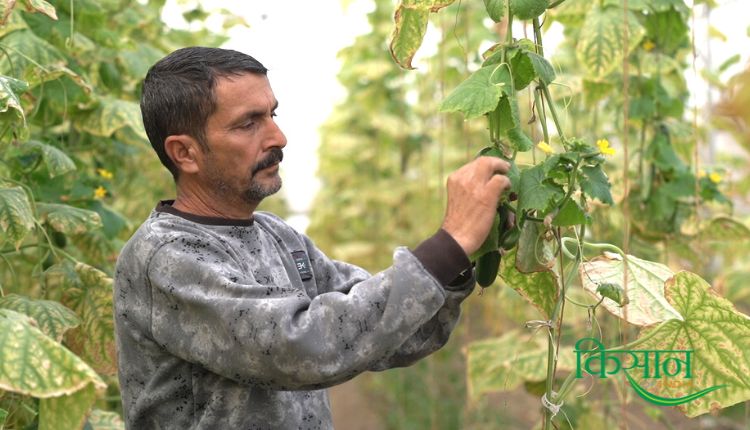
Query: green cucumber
[(487, 268), (509, 238)]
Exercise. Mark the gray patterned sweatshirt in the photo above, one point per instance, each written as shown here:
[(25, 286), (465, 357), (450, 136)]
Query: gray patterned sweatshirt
[(242, 324)]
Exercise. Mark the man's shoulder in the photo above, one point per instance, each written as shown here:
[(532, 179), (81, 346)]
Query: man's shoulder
[(156, 230), (273, 222)]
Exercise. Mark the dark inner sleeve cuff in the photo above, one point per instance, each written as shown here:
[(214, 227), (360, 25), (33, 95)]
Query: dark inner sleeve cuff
[(442, 256)]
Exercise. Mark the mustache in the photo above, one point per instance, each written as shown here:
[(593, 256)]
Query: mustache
[(274, 157)]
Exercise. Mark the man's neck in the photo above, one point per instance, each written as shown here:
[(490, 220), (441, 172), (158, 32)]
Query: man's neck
[(202, 204)]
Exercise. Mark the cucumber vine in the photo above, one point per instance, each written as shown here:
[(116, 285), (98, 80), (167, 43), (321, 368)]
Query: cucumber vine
[(550, 199)]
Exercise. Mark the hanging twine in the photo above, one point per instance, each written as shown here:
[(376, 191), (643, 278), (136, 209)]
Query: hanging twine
[(539, 323), (553, 408)]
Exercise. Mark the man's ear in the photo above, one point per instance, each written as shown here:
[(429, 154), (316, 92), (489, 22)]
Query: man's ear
[(185, 152)]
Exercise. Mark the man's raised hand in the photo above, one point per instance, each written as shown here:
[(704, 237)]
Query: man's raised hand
[(473, 193)]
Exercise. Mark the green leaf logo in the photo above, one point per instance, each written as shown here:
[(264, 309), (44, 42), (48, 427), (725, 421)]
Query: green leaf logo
[(668, 401)]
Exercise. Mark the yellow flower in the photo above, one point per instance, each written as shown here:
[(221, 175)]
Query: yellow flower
[(544, 147), (649, 46), (104, 173), (100, 192), (715, 177), (604, 147), (701, 173)]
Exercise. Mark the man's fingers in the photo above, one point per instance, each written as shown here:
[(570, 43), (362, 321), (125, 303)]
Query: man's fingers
[(494, 165), (499, 182)]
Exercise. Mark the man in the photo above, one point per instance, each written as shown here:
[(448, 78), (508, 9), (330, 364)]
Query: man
[(230, 319)]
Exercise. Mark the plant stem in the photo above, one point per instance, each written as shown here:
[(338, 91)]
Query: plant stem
[(554, 332), (553, 111), (539, 104), (543, 86), (599, 246)]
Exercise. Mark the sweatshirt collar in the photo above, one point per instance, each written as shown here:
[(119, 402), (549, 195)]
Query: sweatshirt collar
[(166, 206)]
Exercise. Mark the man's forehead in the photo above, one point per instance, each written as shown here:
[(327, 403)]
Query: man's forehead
[(246, 88)]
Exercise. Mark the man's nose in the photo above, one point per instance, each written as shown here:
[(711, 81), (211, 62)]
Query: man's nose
[(277, 138)]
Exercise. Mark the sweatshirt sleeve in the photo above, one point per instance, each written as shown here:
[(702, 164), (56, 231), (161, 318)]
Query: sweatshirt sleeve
[(206, 310), (444, 260)]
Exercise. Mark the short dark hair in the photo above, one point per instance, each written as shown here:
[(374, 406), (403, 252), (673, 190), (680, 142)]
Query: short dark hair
[(178, 93)]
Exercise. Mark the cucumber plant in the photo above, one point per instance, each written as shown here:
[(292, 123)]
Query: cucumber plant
[(549, 249), (71, 140)]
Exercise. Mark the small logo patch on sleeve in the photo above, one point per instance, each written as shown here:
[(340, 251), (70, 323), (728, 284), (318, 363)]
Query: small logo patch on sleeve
[(303, 264)]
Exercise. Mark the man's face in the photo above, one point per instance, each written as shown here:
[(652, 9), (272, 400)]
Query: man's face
[(245, 141)]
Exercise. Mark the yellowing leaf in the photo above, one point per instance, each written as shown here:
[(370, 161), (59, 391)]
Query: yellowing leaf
[(105, 420), (109, 116), (411, 24), (9, 100), (34, 364), (30, 58), (719, 337), (88, 291), (722, 229), (68, 219), (52, 318), (16, 217), (540, 288), (601, 43), (13, 21), (6, 7), (645, 288), (504, 363), (68, 411), (43, 7)]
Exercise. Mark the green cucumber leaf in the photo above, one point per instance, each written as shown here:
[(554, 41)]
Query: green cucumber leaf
[(595, 184), (57, 162), (504, 363), (534, 193), (490, 242), (570, 214), (601, 41), (535, 253), (479, 93), (495, 9)]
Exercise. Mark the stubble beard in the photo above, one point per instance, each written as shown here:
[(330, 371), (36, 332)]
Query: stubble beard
[(255, 192), (251, 191)]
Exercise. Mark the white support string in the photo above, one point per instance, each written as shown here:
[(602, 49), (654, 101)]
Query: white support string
[(555, 409)]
